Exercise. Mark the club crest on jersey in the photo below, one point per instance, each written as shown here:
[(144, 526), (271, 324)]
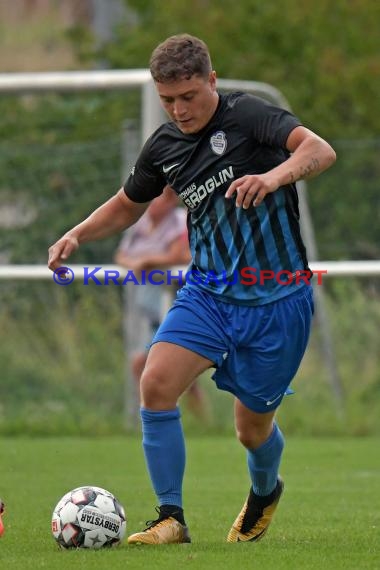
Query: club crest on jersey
[(218, 142)]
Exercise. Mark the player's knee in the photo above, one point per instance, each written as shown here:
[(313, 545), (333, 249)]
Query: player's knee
[(245, 438), (155, 391), (253, 435)]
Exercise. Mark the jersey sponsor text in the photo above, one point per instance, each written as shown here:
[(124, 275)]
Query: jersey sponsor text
[(197, 194)]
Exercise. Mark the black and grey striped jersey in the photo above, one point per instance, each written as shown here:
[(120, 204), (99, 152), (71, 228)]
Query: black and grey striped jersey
[(246, 135)]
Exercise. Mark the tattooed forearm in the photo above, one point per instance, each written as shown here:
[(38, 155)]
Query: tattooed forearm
[(305, 171), (312, 168)]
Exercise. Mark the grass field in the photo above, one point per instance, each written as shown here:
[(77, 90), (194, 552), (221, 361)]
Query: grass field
[(329, 517)]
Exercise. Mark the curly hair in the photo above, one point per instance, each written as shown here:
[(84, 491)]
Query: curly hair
[(180, 57)]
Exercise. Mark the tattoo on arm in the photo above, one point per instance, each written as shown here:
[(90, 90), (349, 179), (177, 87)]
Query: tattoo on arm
[(305, 171), (313, 166)]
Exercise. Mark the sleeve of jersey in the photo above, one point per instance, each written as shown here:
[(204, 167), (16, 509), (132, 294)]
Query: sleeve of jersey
[(145, 182), (267, 123)]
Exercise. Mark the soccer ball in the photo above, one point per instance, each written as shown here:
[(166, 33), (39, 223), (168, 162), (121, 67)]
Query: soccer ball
[(88, 517)]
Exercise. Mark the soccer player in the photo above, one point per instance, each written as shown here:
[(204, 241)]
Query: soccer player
[(234, 160)]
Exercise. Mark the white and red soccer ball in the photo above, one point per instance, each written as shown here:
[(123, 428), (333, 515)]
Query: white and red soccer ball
[(88, 517)]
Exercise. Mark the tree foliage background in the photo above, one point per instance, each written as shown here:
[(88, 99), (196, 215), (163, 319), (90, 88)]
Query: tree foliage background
[(324, 57)]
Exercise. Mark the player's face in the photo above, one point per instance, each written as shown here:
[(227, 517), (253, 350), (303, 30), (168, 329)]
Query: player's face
[(190, 103)]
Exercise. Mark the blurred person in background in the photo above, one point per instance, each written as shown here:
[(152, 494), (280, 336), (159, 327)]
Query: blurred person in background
[(159, 240)]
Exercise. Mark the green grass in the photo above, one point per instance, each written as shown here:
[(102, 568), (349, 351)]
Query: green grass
[(328, 518)]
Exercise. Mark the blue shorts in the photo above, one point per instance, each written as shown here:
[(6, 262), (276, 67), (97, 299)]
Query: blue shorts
[(256, 350)]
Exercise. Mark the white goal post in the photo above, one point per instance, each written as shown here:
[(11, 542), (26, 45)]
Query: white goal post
[(329, 269)]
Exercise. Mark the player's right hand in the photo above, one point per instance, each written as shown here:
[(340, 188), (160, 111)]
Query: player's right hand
[(61, 250)]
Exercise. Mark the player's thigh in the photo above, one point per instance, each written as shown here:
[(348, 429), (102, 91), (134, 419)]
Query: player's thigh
[(170, 369), (196, 322), (259, 370)]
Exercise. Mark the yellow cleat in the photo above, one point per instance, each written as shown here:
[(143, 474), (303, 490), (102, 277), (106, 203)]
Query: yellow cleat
[(164, 531), (256, 515)]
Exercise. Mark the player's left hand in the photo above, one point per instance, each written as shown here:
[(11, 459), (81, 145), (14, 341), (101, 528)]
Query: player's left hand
[(251, 189)]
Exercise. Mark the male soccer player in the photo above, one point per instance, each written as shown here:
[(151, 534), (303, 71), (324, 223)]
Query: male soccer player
[(234, 160)]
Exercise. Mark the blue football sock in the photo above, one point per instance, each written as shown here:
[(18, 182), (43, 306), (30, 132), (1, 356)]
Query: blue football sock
[(264, 463), (164, 448)]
